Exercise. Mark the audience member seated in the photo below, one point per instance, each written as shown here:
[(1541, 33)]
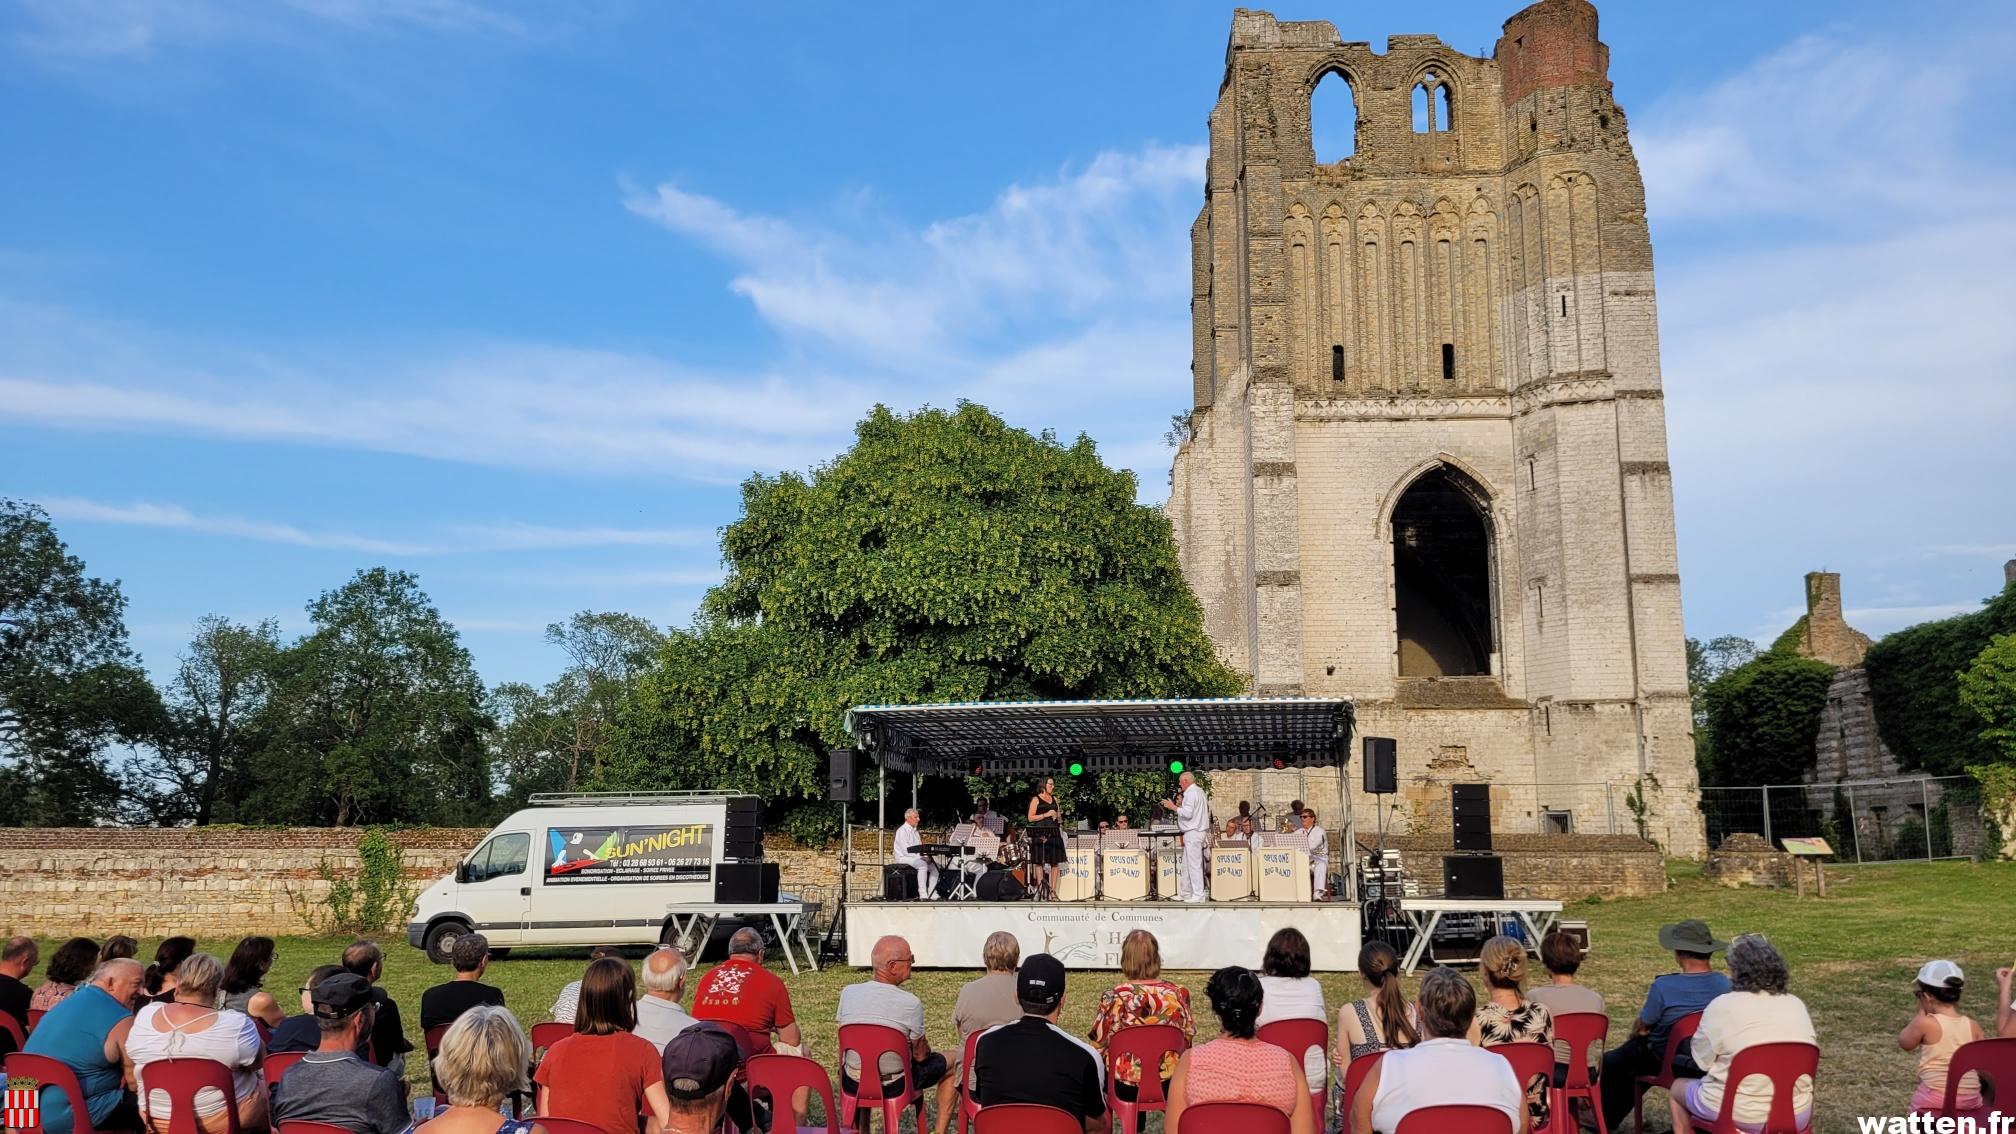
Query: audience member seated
[(69, 967), (17, 960), (116, 946), (332, 1084), (2005, 1006), (445, 1003), (1290, 993), (302, 1032), (87, 1033), (1383, 1020), (244, 981), (1142, 997), (1506, 1016), (1237, 1067), (1757, 1009), (742, 992), (659, 1016), (1561, 956), (480, 1066), (881, 1000), (1935, 1030), (700, 1065), (161, 974), (1444, 1069), (191, 1026), (983, 1003), (1032, 1060), (603, 1074), (563, 1004), (389, 1044), (1671, 996)]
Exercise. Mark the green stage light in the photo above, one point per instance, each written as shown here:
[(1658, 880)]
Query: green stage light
[(1077, 769), (1175, 767)]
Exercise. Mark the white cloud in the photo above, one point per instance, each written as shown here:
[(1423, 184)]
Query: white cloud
[(461, 538), (85, 31)]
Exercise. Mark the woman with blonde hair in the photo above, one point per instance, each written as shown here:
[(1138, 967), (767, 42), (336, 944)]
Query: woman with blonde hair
[(481, 1064), (1142, 998), (1506, 1016), (192, 1026)]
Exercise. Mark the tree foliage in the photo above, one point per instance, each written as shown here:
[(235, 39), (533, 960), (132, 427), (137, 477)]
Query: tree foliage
[(1914, 688), (552, 739), (70, 687), (945, 557), (1763, 717), (203, 758), (1988, 687)]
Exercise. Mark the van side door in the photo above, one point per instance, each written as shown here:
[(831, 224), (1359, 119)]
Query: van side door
[(499, 888)]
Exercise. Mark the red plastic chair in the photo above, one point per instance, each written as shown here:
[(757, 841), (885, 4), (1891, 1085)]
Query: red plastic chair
[(1231, 1118), (1682, 1031), (35, 1017), (1783, 1064), (12, 1027), (1296, 1037), (1582, 1032), (870, 1042), (1456, 1118), (1026, 1118), (303, 1126), (783, 1076), (431, 1039), (276, 1065), (180, 1079), (1354, 1077), (53, 1073), (1994, 1061), (265, 1032), (1529, 1061), (1146, 1043), (546, 1035), (567, 1125), (968, 1109)]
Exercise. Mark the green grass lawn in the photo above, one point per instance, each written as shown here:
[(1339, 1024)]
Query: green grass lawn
[(1853, 956)]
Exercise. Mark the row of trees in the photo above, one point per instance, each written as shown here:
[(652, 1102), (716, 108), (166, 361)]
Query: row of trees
[(945, 556)]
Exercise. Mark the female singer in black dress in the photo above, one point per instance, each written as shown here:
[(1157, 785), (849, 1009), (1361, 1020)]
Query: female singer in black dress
[(1046, 840)]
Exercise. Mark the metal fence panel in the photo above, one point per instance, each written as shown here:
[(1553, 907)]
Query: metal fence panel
[(1908, 818)]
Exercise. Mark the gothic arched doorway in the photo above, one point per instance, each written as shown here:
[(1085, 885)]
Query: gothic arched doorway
[(1442, 577)]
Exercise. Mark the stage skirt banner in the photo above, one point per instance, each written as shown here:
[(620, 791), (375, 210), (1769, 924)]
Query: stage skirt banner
[(1204, 935)]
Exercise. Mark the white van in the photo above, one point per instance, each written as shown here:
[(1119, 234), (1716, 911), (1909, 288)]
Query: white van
[(579, 869)]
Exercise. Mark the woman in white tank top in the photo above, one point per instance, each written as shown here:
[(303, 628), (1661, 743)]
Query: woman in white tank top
[(193, 1028)]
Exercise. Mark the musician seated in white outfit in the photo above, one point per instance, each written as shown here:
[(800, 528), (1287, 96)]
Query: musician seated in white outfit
[(1319, 853), (907, 839)]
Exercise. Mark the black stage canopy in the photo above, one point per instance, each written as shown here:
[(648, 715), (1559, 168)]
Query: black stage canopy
[(991, 737)]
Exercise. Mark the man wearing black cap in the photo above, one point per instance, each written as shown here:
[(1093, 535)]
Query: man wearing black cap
[(1670, 998), (699, 1065), (330, 1084), (1033, 1060)]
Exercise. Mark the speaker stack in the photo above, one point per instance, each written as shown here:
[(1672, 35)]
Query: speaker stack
[(743, 876), (1473, 871)]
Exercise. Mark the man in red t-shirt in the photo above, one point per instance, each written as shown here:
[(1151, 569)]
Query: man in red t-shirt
[(742, 992)]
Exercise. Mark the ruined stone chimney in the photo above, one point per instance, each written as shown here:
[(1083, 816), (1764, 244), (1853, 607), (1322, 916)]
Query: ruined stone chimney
[(2009, 572), (1828, 636)]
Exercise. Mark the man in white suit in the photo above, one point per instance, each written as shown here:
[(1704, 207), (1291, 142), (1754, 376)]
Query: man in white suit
[(906, 854), (1318, 841), (1193, 818)]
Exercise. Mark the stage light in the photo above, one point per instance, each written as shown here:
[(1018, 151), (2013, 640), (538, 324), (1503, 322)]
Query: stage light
[(1175, 767), (1077, 769)]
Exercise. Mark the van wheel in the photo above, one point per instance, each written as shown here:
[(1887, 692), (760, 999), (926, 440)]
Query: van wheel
[(441, 941)]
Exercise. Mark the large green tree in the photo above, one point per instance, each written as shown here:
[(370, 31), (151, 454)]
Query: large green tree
[(1763, 717), (1914, 688), (945, 557), (1988, 687), (551, 738), (377, 715), (200, 765), (70, 687)]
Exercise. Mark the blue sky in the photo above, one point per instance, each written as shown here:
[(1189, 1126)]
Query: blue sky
[(513, 296)]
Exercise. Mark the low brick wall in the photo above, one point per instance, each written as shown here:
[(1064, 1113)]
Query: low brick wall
[(1557, 867)]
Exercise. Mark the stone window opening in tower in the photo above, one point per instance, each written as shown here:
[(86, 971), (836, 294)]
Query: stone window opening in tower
[(1333, 119), (1424, 116), (1448, 362), (1442, 572), (1445, 104), (1337, 363), (1564, 305)]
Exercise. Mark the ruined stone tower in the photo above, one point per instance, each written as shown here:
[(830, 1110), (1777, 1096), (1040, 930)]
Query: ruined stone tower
[(1427, 456)]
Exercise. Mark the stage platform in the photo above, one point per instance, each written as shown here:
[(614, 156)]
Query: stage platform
[(1087, 935)]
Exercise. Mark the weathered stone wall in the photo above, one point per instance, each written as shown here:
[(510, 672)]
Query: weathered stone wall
[(1473, 300), (226, 881), (1745, 859), (1557, 867)]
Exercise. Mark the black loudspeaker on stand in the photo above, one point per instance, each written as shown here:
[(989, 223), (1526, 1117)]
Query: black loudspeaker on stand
[(745, 882), (843, 775), (1473, 876), (1382, 775)]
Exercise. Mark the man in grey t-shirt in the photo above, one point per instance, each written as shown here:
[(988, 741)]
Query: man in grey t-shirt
[(880, 1001), (330, 1084)]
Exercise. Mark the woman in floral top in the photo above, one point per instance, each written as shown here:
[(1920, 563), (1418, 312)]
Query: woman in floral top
[(1143, 998), (1506, 1016)]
